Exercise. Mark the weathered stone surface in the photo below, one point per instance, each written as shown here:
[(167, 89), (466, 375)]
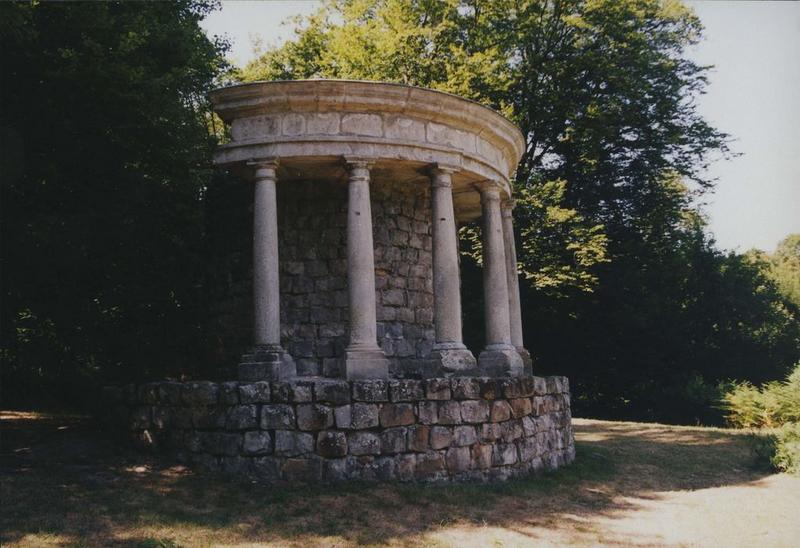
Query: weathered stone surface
[(437, 389), (429, 465), (241, 417), (490, 388), (267, 468), (371, 390), (332, 391), (290, 443), (401, 390), (363, 443), (428, 412), (393, 440), (511, 430), (307, 469), (220, 443), (481, 456), (520, 407), (257, 443), (257, 392), (464, 435), (441, 437), (489, 432), (363, 415), (458, 459), (475, 411), (229, 393), (449, 412), (396, 414), (504, 454), (200, 393), (209, 417), (277, 417), (314, 416), (539, 386), (419, 438), (331, 444), (466, 388), (500, 411)]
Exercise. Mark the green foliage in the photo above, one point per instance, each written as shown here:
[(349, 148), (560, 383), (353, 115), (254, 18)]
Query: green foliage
[(106, 158), (774, 404), (784, 266)]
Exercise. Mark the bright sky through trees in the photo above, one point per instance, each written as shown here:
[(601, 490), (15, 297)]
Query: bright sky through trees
[(752, 96)]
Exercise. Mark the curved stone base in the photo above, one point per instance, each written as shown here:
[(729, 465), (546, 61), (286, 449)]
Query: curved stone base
[(315, 429)]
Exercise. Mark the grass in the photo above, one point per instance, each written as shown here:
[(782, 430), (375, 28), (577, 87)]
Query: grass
[(632, 484)]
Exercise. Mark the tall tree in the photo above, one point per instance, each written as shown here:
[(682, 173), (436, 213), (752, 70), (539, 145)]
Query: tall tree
[(105, 159)]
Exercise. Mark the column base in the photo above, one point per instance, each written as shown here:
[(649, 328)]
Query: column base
[(453, 359), (267, 363), (501, 360), (365, 363), (527, 361)]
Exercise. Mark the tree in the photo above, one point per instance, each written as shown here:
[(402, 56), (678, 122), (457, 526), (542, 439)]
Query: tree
[(628, 294), (105, 160)]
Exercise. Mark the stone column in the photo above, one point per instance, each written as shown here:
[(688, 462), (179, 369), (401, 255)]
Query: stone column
[(268, 361), (514, 307), (449, 352), (499, 357), (363, 358)]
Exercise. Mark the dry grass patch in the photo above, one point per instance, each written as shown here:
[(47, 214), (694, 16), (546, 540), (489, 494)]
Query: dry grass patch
[(632, 484)]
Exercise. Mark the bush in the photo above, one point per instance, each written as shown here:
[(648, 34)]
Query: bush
[(775, 408)]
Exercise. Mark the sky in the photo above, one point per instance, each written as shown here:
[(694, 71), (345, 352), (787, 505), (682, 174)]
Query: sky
[(754, 95)]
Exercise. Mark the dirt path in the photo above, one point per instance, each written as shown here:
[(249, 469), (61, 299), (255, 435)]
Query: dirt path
[(632, 484)]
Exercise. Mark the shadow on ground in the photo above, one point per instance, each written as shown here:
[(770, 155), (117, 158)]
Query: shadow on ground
[(64, 483)]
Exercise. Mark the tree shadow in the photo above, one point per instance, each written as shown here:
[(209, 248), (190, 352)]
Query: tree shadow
[(62, 479)]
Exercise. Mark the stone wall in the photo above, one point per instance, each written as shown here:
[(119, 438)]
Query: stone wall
[(454, 429), (313, 268)]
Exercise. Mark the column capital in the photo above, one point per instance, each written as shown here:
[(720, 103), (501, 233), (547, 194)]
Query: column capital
[(358, 167), (265, 168), (507, 207), (490, 190), (441, 175)]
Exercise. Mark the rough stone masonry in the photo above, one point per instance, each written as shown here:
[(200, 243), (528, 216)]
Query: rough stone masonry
[(438, 429)]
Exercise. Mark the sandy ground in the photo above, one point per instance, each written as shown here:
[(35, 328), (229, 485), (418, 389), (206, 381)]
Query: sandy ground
[(632, 484)]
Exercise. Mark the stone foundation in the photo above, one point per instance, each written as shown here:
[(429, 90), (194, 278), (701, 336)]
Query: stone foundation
[(316, 429)]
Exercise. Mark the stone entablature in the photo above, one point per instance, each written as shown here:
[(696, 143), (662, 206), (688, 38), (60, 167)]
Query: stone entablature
[(382, 121), (313, 429)]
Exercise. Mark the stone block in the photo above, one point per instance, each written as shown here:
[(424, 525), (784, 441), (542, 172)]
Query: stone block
[(257, 392), (385, 468), (481, 457), (235, 466), (363, 443), (404, 129), (428, 412), (277, 417), (209, 418), (490, 432), (429, 465), (393, 440), (241, 417), (490, 388), (475, 411), (404, 467), (520, 407), (504, 454), (267, 468), (419, 438), (331, 444), (363, 415), (539, 386), (437, 389), (289, 443), (527, 449), (458, 459), (322, 123), (370, 390), (343, 416), (220, 443), (449, 412), (441, 437), (362, 124), (511, 430), (229, 393), (335, 470), (464, 435), (500, 411), (257, 443), (466, 388), (308, 469), (406, 390), (200, 393), (295, 391), (314, 416), (396, 414), (528, 426)]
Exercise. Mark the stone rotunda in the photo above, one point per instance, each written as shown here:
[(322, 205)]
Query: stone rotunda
[(359, 188), (357, 368)]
